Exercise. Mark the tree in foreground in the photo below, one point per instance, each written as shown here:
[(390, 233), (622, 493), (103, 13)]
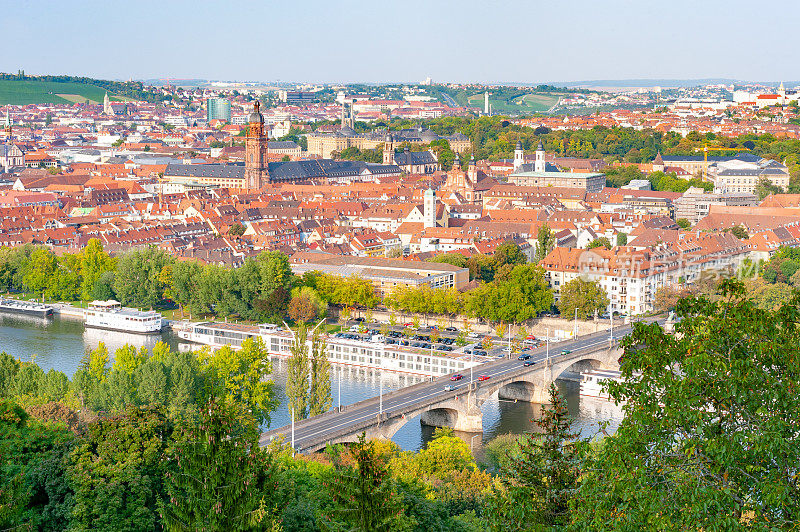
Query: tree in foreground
[(217, 475), (364, 498), (542, 476), (709, 439)]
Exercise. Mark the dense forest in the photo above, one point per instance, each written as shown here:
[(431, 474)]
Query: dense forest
[(169, 441)]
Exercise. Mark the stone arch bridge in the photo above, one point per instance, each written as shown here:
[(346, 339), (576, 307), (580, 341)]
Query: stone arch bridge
[(459, 408)]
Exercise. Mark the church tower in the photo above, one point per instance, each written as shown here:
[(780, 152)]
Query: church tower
[(519, 156), (388, 149), (256, 170), (107, 109), (539, 165)]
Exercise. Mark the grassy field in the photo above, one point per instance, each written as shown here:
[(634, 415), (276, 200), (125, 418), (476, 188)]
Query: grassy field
[(33, 92), (528, 103)]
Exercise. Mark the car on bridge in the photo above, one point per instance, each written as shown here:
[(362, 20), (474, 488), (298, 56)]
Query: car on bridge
[(450, 388), (457, 377), (484, 378), (529, 363), (566, 352), (524, 357)]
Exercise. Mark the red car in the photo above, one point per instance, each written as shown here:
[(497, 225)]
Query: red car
[(483, 378), (457, 377), (408, 325)]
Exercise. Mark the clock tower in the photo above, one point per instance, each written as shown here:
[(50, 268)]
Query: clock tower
[(256, 171)]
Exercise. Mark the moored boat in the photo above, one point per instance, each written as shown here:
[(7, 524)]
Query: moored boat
[(28, 308), (112, 316)]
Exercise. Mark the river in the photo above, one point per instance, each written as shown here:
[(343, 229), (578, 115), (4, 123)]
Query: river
[(60, 343)]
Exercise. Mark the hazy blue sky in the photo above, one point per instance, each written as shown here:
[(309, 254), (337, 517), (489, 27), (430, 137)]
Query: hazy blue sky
[(378, 41)]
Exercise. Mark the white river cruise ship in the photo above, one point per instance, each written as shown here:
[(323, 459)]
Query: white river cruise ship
[(112, 316), (363, 352)]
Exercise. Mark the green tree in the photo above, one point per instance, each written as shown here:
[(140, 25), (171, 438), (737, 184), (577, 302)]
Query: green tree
[(765, 187), (586, 296), (683, 223), (238, 378), (454, 259), (137, 281), (217, 474), (320, 398), (508, 253), (545, 242), (117, 471), (622, 239), (41, 272), (297, 382), (364, 498), (699, 446), (540, 476), (600, 242), (94, 263)]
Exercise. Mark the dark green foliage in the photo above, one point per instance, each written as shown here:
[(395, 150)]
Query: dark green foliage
[(9, 366), (711, 446), (117, 471), (137, 279), (26, 446), (218, 475)]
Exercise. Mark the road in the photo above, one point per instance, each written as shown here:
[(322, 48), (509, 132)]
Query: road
[(310, 431)]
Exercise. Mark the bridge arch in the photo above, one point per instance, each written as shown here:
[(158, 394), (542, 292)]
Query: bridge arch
[(440, 417), (518, 390)]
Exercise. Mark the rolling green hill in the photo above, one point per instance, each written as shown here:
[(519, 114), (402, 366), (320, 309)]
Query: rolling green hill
[(30, 91)]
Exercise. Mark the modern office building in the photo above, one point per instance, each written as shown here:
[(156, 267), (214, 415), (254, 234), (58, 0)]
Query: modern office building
[(218, 109)]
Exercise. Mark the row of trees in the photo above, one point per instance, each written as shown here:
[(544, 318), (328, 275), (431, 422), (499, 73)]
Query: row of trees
[(264, 288), (519, 296), (709, 441)]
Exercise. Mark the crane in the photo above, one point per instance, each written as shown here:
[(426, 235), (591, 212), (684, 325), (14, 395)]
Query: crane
[(705, 150)]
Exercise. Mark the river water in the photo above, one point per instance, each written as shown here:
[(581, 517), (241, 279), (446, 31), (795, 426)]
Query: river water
[(61, 342)]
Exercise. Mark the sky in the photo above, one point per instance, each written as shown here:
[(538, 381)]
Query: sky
[(479, 41)]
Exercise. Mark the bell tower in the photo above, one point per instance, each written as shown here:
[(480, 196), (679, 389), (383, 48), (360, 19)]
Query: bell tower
[(256, 171), (388, 149)]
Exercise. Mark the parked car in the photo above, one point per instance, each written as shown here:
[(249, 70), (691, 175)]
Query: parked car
[(354, 328), (451, 329), (479, 353), (457, 377), (483, 378), (474, 336), (524, 357)]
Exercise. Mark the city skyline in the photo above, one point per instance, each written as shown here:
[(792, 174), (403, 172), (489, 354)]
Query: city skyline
[(398, 42)]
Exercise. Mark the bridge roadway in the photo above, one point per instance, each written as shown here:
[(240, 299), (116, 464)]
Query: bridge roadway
[(312, 434)]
